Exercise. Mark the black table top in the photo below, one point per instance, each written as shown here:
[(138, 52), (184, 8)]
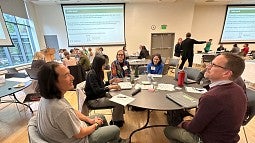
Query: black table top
[(156, 100)]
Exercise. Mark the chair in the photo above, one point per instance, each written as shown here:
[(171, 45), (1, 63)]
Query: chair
[(163, 60), (173, 63), (32, 93), (32, 73), (82, 106), (78, 73), (142, 70), (12, 72), (192, 73), (166, 69), (250, 109), (208, 58), (33, 134)]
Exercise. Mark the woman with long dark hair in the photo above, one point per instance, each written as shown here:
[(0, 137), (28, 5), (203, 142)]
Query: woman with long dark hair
[(96, 91), (156, 66)]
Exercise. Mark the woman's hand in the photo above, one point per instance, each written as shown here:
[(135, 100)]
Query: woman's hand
[(115, 80), (117, 87)]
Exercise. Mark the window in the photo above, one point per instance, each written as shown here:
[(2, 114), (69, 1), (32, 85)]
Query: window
[(24, 46)]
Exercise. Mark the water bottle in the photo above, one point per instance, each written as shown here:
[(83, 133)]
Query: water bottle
[(181, 76)]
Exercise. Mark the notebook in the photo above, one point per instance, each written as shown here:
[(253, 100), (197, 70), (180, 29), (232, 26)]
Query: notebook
[(183, 99), (125, 85), (186, 80)]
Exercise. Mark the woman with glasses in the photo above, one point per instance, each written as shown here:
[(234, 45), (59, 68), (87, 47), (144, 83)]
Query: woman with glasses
[(120, 67)]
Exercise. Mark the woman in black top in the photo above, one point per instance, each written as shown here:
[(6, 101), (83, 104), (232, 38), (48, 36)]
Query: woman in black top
[(96, 91)]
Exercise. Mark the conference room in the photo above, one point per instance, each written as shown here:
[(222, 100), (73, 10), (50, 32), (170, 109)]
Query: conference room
[(157, 24)]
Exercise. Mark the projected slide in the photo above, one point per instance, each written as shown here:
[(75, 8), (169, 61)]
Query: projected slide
[(94, 24), (239, 24)]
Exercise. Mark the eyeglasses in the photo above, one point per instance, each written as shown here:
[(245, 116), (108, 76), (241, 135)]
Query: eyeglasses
[(120, 54), (214, 65)]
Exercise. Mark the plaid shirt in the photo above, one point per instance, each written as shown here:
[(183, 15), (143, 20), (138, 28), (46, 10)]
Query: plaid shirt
[(118, 71)]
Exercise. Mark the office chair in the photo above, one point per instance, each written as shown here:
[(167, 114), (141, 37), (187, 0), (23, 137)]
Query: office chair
[(163, 60), (33, 134), (32, 92), (142, 70), (78, 73), (83, 107), (173, 64), (166, 69), (12, 72), (208, 58), (192, 73), (250, 109)]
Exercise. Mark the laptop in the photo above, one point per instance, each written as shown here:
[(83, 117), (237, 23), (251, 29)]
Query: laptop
[(183, 99), (125, 85), (186, 79)]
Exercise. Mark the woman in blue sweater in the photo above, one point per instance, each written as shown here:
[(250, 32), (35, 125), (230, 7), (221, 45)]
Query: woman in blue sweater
[(156, 66)]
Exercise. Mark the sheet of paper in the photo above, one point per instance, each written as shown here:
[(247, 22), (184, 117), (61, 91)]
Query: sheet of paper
[(168, 87), (122, 99), (156, 75), (195, 90), (143, 86)]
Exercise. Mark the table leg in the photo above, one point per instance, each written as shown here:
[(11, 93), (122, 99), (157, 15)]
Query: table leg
[(17, 101), (146, 125)]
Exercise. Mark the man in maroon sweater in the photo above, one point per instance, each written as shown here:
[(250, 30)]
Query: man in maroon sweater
[(220, 111)]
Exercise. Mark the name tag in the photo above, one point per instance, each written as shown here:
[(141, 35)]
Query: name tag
[(125, 68), (153, 68)]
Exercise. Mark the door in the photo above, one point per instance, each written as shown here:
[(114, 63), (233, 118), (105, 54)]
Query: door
[(51, 41), (162, 43)]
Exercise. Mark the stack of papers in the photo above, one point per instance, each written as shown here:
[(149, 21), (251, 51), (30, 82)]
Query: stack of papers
[(122, 99), (125, 85), (168, 87)]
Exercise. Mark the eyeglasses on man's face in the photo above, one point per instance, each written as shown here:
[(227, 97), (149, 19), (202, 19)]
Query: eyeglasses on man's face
[(120, 54), (215, 65)]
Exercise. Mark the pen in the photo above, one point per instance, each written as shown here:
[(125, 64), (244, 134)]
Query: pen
[(121, 97)]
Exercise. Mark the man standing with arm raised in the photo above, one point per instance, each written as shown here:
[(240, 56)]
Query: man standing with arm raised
[(188, 50)]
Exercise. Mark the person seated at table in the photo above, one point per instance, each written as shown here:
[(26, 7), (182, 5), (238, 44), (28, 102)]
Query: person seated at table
[(38, 60), (97, 91), (107, 66), (144, 53), (206, 82), (221, 48), (120, 67), (156, 66), (58, 121), (125, 51), (221, 110), (68, 60), (84, 61), (235, 49), (245, 49)]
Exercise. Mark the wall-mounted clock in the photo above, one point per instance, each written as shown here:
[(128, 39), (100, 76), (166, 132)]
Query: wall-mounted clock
[(153, 27)]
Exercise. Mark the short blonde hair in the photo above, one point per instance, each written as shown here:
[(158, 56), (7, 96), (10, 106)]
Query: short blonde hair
[(38, 56)]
